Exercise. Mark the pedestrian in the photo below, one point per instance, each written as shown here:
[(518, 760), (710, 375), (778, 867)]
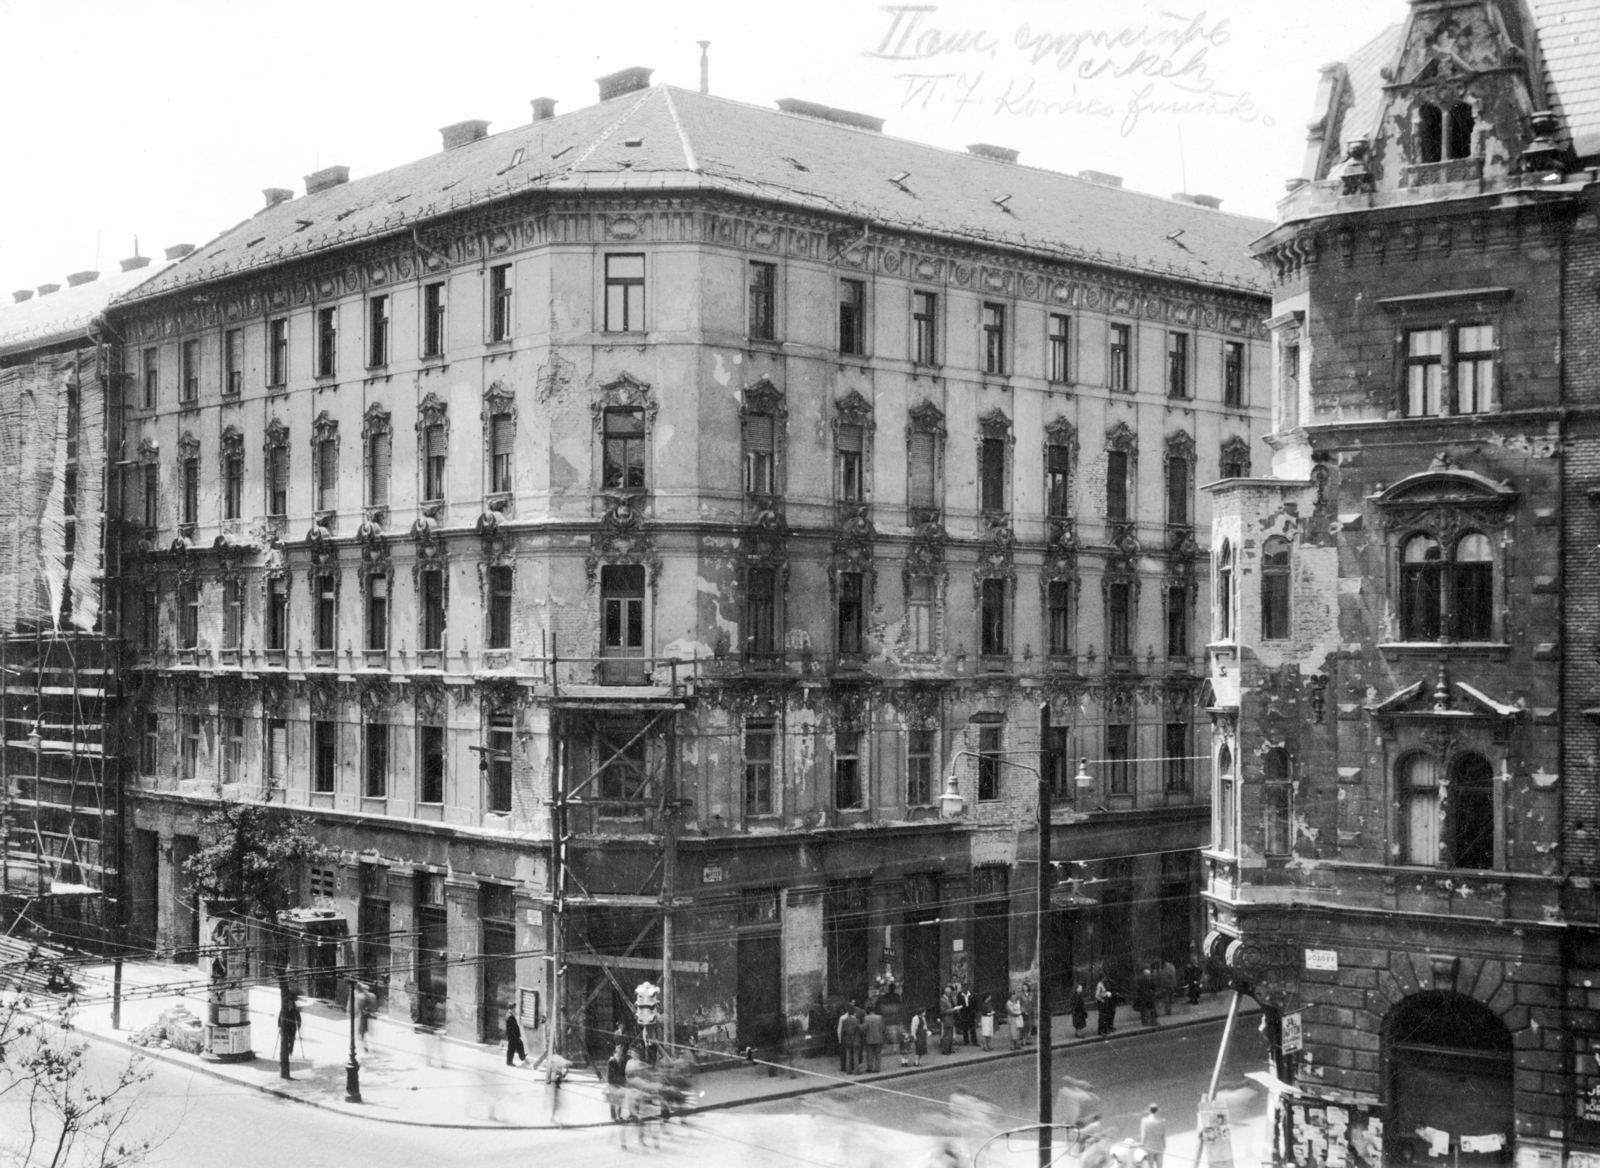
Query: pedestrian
[(1027, 1013), (1080, 1012), (1106, 1006), (1191, 980), (1144, 997), (514, 1047), (852, 1042), (1167, 979), (872, 1035), (986, 1022), (947, 1020), (968, 1017), (919, 1036), (1153, 1137), (844, 1050), (366, 1011), (1014, 1018), (617, 1087), (288, 1029)]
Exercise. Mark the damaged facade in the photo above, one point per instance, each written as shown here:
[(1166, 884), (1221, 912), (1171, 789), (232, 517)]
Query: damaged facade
[(1405, 757), (611, 530)]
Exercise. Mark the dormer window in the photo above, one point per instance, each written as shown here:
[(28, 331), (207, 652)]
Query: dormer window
[(1444, 133)]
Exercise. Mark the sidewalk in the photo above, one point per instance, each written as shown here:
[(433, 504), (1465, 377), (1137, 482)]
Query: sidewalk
[(412, 1078)]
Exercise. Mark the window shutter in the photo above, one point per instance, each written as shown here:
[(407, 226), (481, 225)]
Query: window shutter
[(326, 454), (502, 434), (922, 450), (758, 433), (279, 749), (850, 438), (435, 441), (280, 468), (378, 488)]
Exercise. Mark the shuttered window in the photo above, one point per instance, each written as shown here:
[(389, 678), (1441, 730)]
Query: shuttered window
[(277, 751), (850, 476), (278, 481), (378, 458), (502, 437), (327, 474), (758, 452), (433, 465), (922, 470)]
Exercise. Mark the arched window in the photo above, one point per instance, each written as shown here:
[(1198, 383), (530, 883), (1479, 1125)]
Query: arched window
[(1225, 592), (1472, 588), (1421, 573), (1448, 1062), (1275, 589), (1458, 134), (1471, 812), (1419, 809), (1430, 133), (1225, 800)]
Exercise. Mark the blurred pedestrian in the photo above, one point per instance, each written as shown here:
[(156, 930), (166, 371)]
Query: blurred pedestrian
[(1014, 1020), (844, 1051), (872, 1035), (617, 1087), (1191, 980), (514, 1047), (919, 1036), (1167, 982), (1144, 996), (1080, 1012), (366, 1011), (288, 1029), (1027, 1013), (947, 1020), (1106, 1006), (1153, 1137)]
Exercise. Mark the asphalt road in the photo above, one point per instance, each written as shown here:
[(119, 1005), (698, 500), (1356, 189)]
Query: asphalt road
[(206, 1122)]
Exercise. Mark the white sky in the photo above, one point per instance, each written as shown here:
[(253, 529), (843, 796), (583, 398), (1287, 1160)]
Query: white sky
[(165, 118)]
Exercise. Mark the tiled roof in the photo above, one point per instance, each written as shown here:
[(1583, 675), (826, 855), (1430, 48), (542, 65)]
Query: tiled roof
[(663, 139), (55, 316), (1569, 45), (1366, 90)]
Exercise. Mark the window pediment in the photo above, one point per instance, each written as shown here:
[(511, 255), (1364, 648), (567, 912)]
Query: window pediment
[(1444, 699), (1445, 500)]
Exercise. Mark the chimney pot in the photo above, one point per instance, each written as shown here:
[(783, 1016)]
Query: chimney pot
[(77, 278), (462, 133), (827, 113), (22, 294), (133, 263), (328, 176), (46, 289), (1210, 201), (276, 195), (544, 108), (623, 81), (1101, 177), (178, 250), (993, 153)]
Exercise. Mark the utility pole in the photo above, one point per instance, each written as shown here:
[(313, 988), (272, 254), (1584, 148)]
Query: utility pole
[(1042, 937), (558, 874), (669, 886)]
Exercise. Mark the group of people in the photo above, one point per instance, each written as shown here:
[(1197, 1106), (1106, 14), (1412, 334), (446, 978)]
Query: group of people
[(1155, 988), (644, 1095)]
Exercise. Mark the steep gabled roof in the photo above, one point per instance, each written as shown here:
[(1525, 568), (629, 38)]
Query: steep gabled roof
[(1569, 48), (665, 139)]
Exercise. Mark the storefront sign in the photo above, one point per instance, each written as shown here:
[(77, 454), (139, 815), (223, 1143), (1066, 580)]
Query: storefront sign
[(711, 874), (1293, 1035), (1327, 959)]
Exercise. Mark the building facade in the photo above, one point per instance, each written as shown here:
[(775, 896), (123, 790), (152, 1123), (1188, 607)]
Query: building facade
[(613, 533), (1402, 654)]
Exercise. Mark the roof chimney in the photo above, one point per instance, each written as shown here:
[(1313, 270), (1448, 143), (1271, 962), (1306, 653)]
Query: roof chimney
[(624, 81), (992, 153), (461, 133), (826, 113), (22, 294), (276, 195), (178, 250), (46, 289), (544, 108), (705, 66), (1101, 177), (328, 176), (77, 278), (133, 263), (1210, 201)]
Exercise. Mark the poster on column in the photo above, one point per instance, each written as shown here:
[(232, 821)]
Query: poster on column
[(1216, 1136)]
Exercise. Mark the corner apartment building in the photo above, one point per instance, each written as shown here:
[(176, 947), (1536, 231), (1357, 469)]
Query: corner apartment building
[(611, 530), (1403, 659)]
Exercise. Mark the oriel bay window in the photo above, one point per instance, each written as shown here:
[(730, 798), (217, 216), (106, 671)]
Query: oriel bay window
[(759, 735), (500, 594), (1446, 597), (622, 460), (761, 638), (624, 307), (851, 614)]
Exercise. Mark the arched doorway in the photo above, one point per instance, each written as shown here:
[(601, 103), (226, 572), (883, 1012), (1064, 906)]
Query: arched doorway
[(1447, 1069)]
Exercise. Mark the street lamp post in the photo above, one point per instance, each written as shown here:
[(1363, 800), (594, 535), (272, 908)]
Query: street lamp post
[(352, 1069)]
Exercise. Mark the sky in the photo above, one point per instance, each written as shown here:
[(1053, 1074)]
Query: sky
[(165, 119)]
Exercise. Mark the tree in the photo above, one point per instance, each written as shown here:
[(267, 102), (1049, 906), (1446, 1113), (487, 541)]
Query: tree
[(254, 856)]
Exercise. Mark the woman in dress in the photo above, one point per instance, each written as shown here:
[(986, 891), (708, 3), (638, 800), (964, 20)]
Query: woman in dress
[(1080, 1012), (986, 1023), (1014, 1016)]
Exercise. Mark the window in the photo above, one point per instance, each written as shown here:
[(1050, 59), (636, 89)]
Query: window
[(191, 491), (232, 614), (992, 618), (1058, 336), (377, 613), (430, 745), (278, 480), (1232, 373), (434, 449), (920, 759), (1469, 361), (378, 331), (989, 763), (433, 612), (919, 613), (1444, 133), (152, 378), (277, 613), (1057, 481), (277, 760), (992, 475), (924, 328), (327, 630), (1176, 758), (763, 285), (1275, 589), (622, 607), (846, 770), (500, 591), (1177, 364), (1430, 133), (1058, 617), (327, 342), (500, 742), (324, 756), (1471, 600), (623, 457), (1177, 621), (1289, 413), (1471, 808), (502, 441), (375, 779), (1474, 367), (233, 484), (1178, 491), (758, 755), (327, 474), (1056, 772), (149, 617), (1442, 599), (278, 351), (1458, 134), (1235, 460), (1419, 809), (624, 294), (760, 636), (922, 469), (188, 616), (850, 613), (433, 305), (1424, 372), (233, 361), (1225, 801), (759, 453), (1119, 758), (500, 302), (1119, 618), (1277, 801), (1225, 592), (852, 317), (189, 374), (1121, 357), (379, 449), (1117, 486), (848, 456), (149, 744), (622, 776), (994, 338), (189, 746), (152, 496)]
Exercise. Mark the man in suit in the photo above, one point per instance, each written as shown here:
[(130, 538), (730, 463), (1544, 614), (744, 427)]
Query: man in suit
[(1153, 1137), (969, 1018)]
